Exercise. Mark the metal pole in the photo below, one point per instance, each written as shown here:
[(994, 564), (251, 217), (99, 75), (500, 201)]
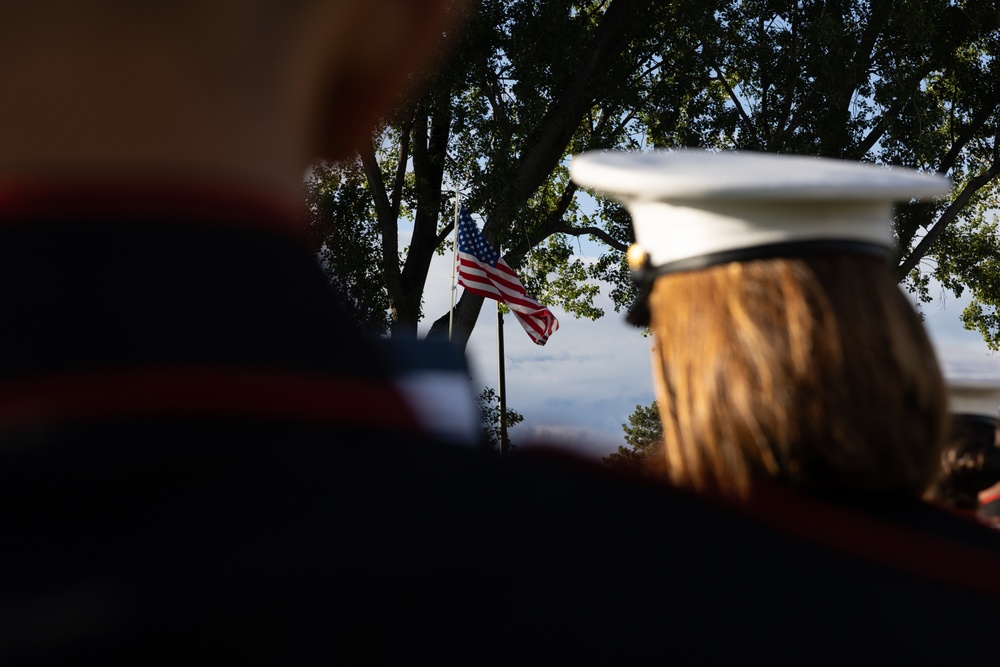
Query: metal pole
[(454, 263), (502, 381)]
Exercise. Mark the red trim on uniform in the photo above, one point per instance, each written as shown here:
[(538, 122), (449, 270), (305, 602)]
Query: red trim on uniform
[(990, 499), (876, 540), (187, 392), (140, 201)]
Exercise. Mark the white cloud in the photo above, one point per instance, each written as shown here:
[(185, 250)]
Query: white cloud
[(961, 353)]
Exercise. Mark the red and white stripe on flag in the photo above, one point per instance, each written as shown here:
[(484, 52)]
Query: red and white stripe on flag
[(482, 271), (501, 283)]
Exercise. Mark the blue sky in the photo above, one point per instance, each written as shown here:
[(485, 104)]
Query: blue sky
[(962, 353)]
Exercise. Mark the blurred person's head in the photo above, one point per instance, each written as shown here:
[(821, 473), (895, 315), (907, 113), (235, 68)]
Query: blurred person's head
[(783, 348), (970, 460), (244, 90)]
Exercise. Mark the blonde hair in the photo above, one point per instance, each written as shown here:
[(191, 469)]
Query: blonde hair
[(815, 372)]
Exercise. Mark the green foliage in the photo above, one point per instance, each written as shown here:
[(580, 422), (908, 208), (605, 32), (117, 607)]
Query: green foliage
[(612, 267), (501, 119), (644, 436), (528, 84), (553, 275), (340, 220), (489, 409)]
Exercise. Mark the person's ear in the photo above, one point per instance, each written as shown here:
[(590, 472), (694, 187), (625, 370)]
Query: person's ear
[(396, 40)]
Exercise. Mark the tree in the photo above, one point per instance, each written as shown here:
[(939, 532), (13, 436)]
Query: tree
[(335, 200), (489, 409), (644, 434), (501, 118), (910, 83)]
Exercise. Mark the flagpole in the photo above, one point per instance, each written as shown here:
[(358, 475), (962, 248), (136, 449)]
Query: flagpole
[(502, 382), (454, 262), (483, 272)]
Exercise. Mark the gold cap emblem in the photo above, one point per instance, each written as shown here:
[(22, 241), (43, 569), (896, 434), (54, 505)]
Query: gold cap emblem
[(636, 257)]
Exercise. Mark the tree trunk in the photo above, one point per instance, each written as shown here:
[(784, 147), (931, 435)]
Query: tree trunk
[(466, 314)]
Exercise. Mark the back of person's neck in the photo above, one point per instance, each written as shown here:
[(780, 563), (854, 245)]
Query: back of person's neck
[(75, 105)]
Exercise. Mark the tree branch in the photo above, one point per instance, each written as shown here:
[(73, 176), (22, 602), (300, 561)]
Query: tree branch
[(948, 161), (739, 106), (404, 157), (593, 231), (546, 145), (950, 214), (885, 121), (552, 222), (429, 151), (386, 220)]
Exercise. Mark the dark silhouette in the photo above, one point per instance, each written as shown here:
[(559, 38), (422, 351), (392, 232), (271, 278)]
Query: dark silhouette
[(203, 462)]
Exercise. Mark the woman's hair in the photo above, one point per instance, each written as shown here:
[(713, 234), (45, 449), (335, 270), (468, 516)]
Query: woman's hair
[(815, 372), (969, 463)]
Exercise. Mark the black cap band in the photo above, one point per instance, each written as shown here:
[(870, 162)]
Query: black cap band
[(645, 275)]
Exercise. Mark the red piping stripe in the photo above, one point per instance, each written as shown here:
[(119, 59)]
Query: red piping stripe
[(878, 541), (202, 392), (142, 200)]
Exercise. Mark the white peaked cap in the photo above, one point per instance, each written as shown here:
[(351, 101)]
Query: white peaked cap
[(978, 398), (689, 204)]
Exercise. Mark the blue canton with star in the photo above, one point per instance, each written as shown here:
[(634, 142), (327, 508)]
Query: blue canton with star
[(471, 241)]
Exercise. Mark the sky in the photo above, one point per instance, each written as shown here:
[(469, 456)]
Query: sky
[(577, 390), (580, 388)]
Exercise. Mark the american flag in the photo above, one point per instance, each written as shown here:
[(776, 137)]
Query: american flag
[(482, 271)]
